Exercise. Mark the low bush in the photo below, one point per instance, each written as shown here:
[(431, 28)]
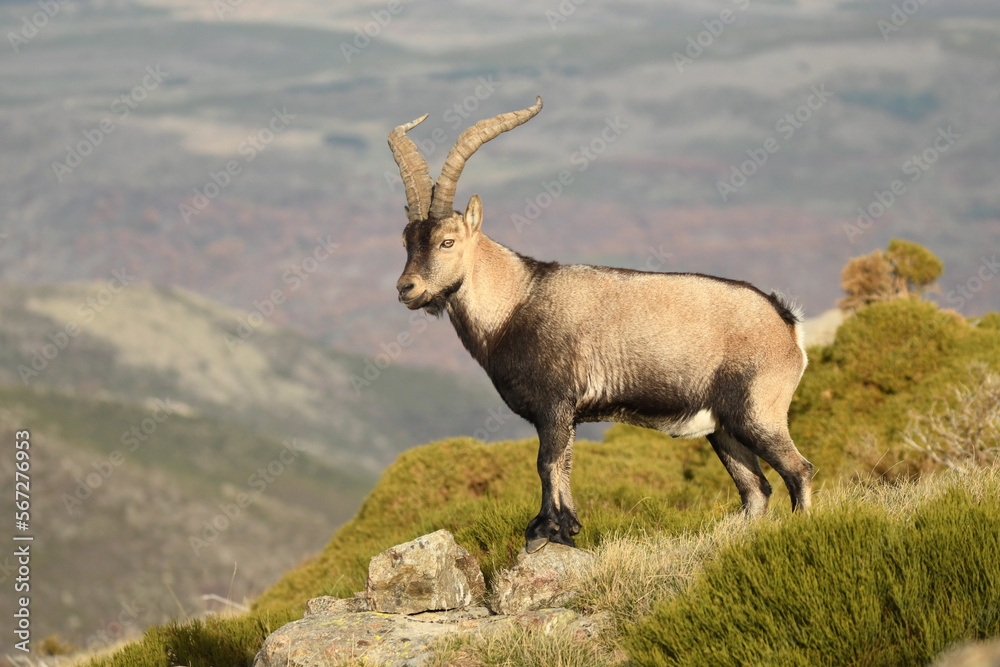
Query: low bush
[(854, 584)]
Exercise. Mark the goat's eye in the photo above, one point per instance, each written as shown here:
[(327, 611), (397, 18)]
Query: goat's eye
[(447, 243)]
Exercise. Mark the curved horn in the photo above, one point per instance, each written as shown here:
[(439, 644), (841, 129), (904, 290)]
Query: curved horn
[(467, 144), (413, 170)]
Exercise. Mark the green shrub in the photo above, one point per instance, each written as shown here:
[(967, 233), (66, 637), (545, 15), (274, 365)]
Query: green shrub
[(851, 586), (888, 361), (915, 264), (892, 345), (209, 642)]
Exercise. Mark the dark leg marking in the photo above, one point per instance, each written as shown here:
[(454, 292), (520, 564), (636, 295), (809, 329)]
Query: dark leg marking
[(776, 447), (552, 524)]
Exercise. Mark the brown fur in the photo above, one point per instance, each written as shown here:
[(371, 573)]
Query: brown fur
[(684, 353)]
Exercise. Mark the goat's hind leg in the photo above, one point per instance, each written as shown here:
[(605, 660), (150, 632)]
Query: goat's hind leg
[(775, 446), (744, 468)]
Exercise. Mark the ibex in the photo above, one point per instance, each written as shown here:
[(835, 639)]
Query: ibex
[(684, 353)]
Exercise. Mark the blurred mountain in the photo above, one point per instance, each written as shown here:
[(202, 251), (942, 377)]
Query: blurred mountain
[(142, 344), (222, 147)]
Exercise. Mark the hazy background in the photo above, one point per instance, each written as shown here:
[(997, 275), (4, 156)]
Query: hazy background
[(260, 314)]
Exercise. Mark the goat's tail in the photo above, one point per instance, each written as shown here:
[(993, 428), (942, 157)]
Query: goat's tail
[(789, 311)]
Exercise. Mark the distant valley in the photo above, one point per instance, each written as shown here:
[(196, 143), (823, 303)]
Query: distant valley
[(163, 460)]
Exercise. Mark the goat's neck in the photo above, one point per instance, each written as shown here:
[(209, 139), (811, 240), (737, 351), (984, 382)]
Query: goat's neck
[(497, 283)]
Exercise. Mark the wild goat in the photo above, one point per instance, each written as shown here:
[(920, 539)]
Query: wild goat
[(684, 353)]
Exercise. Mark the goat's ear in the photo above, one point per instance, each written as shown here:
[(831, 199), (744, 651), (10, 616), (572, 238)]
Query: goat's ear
[(474, 214)]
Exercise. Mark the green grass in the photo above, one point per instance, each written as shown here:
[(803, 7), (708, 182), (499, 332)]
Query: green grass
[(214, 641), (485, 494)]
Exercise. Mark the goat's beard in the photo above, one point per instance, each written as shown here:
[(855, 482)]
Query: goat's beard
[(439, 302), (436, 306)]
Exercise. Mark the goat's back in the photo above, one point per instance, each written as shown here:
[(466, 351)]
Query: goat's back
[(605, 335)]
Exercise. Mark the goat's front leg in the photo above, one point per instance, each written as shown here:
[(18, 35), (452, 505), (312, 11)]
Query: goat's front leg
[(553, 440)]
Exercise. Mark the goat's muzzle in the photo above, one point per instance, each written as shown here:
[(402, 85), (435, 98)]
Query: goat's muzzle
[(409, 294)]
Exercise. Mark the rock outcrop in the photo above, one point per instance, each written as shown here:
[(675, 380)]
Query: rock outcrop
[(546, 578), (424, 590), (396, 640), (431, 573)]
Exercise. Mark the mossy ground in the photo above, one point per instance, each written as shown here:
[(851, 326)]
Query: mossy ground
[(800, 585)]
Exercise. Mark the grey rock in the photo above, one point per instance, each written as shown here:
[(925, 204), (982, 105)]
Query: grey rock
[(546, 578), (356, 604), (328, 638), (430, 573), (429, 585)]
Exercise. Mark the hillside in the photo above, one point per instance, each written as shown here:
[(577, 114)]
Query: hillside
[(849, 417), (123, 528), (146, 426), (144, 343)]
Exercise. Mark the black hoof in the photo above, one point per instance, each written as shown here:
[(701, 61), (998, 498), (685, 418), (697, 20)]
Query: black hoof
[(531, 546), (564, 538), (539, 532)]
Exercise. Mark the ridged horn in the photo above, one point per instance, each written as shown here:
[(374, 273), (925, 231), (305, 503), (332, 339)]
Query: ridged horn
[(412, 169), (467, 144)]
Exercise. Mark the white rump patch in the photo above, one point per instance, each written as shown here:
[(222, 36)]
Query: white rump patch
[(701, 423)]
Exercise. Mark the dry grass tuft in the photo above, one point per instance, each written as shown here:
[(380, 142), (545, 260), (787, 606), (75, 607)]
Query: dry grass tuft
[(965, 432), (522, 647), (632, 573)]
